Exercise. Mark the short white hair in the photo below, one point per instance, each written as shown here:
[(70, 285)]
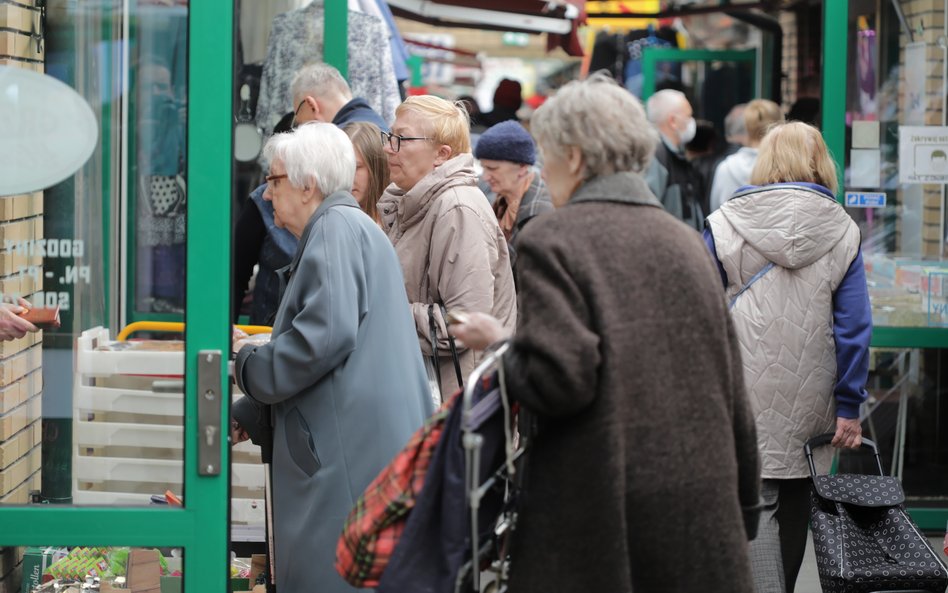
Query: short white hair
[(318, 80), (317, 154), (734, 122), (663, 103), (603, 120)]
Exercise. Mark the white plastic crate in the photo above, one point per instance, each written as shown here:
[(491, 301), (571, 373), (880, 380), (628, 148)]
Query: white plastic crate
[(90, 361), (126, 437)]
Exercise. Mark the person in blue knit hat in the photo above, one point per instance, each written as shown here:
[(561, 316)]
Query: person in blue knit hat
[(507, 154)]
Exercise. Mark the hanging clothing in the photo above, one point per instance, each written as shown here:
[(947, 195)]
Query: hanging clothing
[(296, 39), (255, 19), (400, 52)]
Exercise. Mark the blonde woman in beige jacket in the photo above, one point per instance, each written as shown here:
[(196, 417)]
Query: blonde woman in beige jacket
[(446, 236)]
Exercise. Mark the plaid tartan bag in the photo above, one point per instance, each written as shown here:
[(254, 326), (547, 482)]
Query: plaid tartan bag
[(377, 520)]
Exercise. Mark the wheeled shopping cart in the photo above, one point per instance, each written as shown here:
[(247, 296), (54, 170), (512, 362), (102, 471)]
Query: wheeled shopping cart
[(493, 450), (864, 540)]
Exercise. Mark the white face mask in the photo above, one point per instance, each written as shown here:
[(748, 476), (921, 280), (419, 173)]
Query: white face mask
[(688, 134)]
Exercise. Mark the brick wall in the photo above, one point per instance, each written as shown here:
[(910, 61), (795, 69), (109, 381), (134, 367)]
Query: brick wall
[(21, 382)]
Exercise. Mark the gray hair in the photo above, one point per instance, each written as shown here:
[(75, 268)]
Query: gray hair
[(317, 80), (603, 120), (734, 126), (663, 103), (317, 153)]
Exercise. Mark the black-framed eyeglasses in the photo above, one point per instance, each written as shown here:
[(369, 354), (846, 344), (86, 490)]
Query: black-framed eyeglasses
[(394, 141), (296, 114)]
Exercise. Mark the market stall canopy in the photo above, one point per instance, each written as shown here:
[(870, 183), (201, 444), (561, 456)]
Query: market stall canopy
[(559, 18)]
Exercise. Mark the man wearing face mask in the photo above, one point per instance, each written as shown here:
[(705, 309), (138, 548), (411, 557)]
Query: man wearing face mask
[(670, 176)]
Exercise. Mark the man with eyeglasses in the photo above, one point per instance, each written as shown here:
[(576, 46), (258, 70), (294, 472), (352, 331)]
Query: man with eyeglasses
[(320, 93)]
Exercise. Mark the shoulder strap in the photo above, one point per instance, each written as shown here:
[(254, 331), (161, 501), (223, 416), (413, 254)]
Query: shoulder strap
[(753, 279)]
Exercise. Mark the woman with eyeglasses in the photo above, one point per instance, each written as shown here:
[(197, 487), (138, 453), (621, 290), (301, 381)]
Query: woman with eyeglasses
[(340, 387), (452, 250)]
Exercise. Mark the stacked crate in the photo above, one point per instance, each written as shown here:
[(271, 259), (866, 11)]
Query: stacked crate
[(128, 438), (21, 221)]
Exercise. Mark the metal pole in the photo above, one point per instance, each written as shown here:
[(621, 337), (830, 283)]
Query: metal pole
[(336, 36)]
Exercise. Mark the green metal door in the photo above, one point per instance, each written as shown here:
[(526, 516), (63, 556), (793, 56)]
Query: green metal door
[(94, 50)]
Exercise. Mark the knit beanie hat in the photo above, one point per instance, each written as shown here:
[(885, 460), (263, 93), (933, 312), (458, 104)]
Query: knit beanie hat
[(506, 141)]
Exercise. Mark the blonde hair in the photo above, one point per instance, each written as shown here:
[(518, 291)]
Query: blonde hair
[(794, 152), (447, 122), (759, 116), (365, 138)]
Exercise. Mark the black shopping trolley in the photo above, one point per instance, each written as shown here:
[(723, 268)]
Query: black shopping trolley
[(864, 540), (487, 422)]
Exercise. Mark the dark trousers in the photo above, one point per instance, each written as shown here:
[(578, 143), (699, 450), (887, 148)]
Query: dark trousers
[(777, 552)]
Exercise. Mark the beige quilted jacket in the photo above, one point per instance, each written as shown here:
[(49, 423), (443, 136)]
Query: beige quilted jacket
[(452, 250), (784, 321)]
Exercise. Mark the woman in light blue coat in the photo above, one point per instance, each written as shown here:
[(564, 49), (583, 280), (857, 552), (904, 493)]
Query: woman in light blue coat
[(341, 383)]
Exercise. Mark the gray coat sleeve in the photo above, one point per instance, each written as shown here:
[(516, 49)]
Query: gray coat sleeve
[(328, 294)]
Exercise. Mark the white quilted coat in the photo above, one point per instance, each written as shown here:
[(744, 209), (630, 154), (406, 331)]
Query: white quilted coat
[(784, 321)]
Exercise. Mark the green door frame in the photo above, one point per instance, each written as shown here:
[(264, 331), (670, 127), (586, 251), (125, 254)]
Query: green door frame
[(835, 69), (652, 55), (201, 527)]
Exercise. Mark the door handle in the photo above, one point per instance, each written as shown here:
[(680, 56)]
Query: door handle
[(210, 399)]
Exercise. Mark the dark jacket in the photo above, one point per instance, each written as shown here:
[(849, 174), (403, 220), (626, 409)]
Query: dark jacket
[(358, 110), (678, 186), (535, 202), (257, 240), (646, 449)]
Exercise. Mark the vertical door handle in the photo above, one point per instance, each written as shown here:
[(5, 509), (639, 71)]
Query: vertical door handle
[(210, 399)]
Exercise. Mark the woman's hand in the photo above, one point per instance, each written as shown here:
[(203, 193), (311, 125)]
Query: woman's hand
[(476, 330), (848, 433)]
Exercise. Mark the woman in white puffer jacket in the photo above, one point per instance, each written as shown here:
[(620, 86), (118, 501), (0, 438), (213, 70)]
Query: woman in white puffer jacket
[(791, 265)]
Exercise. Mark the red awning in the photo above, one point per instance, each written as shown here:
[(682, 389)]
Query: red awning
[(558, 18)]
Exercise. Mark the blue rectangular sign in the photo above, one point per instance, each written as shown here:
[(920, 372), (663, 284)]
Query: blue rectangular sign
[(856, 199)]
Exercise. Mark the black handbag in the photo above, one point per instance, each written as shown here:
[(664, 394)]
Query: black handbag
[(863, 538), (435, 362)]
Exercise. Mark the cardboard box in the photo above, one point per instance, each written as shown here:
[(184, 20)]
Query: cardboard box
[(35, 563), (10, 558)]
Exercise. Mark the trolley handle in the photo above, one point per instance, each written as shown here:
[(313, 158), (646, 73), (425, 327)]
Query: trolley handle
[(827, 438)]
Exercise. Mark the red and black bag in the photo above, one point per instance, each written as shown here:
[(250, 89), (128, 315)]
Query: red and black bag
[(377, 520)]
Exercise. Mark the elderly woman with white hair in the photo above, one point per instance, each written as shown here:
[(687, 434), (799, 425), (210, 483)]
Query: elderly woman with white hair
[(340, 387), (645, 448)]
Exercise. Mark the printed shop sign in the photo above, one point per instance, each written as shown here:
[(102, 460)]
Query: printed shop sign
[(923, 154)]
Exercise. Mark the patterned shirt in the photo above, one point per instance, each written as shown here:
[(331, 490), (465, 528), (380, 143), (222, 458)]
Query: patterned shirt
[(296, 40)]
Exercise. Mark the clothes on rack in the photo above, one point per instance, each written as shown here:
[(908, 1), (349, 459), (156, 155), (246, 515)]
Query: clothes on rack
[(296, 39), (160, 108), (621, 55), (255, 17)]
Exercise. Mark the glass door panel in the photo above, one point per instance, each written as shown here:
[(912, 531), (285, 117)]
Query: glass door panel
[(99, 427), (883, 80)]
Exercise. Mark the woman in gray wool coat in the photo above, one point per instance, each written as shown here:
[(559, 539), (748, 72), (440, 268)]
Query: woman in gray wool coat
[(643, 475), (341, 381)]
